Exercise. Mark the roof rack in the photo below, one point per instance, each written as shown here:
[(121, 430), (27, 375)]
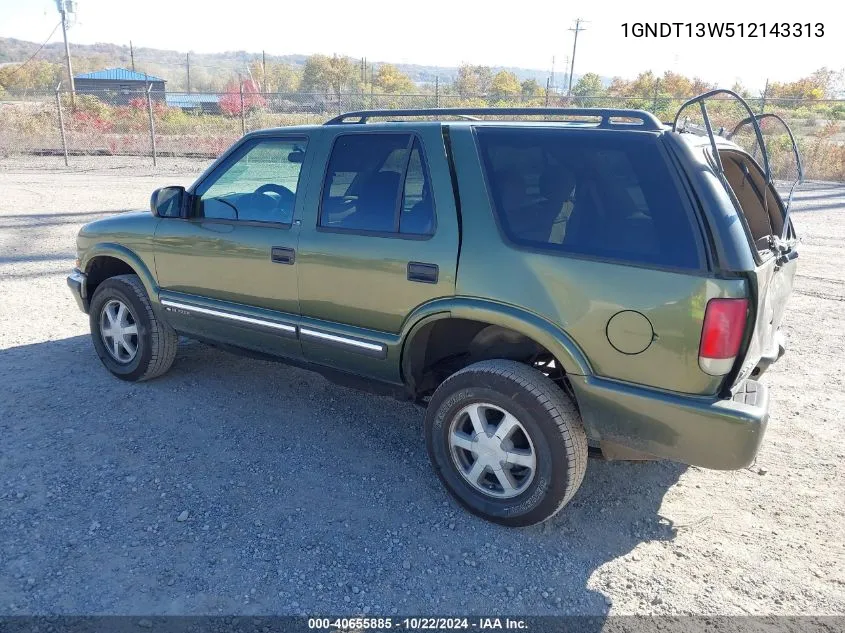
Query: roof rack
[(607, 115)]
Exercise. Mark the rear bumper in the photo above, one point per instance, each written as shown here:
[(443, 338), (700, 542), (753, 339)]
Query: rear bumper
[(77, 282), (706, 432)]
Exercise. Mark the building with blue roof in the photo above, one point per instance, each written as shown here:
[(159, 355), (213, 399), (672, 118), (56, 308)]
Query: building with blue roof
[(119, 85)]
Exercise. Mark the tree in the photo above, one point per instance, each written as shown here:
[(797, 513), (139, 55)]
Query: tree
[(505, 85), (35, 75), (230, 103), (315, 74), (531, 89), (676, 85), (390, 79), (473, 81), (276, 77), (323, 73), (589, 85), (822, 83)]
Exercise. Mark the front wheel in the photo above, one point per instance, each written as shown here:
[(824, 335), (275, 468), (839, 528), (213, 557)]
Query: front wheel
[(506, 441), (131, 341)]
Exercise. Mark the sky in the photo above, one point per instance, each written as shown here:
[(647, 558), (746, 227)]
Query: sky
[(526, 34)]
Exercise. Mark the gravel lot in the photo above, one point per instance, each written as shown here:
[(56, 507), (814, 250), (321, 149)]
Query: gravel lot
[(304, 497)]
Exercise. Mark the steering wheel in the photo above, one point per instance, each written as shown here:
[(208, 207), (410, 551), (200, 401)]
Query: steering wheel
[(286, 196)]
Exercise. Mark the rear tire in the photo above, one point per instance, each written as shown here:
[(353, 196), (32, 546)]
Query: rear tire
[(506, 442), (130, 340)]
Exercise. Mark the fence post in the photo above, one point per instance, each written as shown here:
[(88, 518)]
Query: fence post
[(243, 111), (436, 91), (152, 123), (61, 120)]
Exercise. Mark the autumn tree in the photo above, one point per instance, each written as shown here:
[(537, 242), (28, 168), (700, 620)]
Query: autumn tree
[(505, 85), (276, 77), (819, 85), (391, 80), (676, 85), (323, 74), (473, 81), (35, 75), (233, 102)]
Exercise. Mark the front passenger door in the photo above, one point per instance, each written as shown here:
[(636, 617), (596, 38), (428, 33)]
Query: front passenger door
[(228, 271)]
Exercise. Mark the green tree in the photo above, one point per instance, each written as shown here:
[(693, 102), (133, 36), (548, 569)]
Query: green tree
[(531, 89), (505, 85), (315, 74), (589, 85), (390, 79)]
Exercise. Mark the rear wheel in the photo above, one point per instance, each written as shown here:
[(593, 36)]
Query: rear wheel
[(130, 340), (506, 441)]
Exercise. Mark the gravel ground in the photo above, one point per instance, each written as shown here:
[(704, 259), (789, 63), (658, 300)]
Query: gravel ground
[(238, 486)]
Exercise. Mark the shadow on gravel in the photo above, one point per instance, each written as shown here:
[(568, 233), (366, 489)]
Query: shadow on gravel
[(301, 497)]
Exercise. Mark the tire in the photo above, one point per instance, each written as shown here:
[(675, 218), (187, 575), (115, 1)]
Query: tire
[(548, 427), (154, 342)]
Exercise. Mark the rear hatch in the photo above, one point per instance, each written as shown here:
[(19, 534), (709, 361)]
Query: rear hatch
[(757, 160)]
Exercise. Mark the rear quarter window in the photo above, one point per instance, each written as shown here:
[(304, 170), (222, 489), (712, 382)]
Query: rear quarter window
[(595, 194)]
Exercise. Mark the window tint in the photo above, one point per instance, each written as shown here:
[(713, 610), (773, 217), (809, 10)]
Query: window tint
[(258, 183), (378, 183), (603, 195)]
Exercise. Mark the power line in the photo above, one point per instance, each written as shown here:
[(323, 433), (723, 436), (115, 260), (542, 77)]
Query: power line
[(40, 48)]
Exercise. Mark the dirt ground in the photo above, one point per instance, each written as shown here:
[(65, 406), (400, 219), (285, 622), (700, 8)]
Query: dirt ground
[(304, 497)]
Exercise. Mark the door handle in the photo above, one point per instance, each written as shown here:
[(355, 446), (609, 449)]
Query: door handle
[(281, 255), (424, 273)]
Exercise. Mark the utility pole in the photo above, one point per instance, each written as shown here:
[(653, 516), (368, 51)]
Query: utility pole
[(63, 6), (188, 68), (578, 28), (264, 71), (552, 75), (132, 55)]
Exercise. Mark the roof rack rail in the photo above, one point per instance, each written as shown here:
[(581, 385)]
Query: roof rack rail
[(607, 115)]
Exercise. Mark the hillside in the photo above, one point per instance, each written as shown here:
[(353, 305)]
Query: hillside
[(209, 71)]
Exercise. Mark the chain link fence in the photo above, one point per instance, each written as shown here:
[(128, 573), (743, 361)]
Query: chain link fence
[(59, 126)]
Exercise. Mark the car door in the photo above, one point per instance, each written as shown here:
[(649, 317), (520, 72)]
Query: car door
[(379, 238), (227, 272)]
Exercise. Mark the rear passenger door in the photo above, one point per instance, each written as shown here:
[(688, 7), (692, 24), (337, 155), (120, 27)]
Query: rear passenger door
[(379, 238)]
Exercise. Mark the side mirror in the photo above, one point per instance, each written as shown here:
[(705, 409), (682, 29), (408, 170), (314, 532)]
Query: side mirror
[(167, 202)]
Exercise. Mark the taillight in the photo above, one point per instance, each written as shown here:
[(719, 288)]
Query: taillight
[(721, 335)]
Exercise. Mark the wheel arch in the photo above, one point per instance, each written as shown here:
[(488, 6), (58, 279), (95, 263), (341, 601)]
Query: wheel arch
[(504, 327), (106, 260)]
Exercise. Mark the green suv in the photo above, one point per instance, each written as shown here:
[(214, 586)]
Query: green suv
[(591, 281)]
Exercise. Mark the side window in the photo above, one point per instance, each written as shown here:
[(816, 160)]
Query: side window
[(417, 214), (572, 191), (258, 182), (377, 183)]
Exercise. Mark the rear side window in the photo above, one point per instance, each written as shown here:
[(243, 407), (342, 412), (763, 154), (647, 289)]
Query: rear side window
[(603, 195), (377, 183)]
